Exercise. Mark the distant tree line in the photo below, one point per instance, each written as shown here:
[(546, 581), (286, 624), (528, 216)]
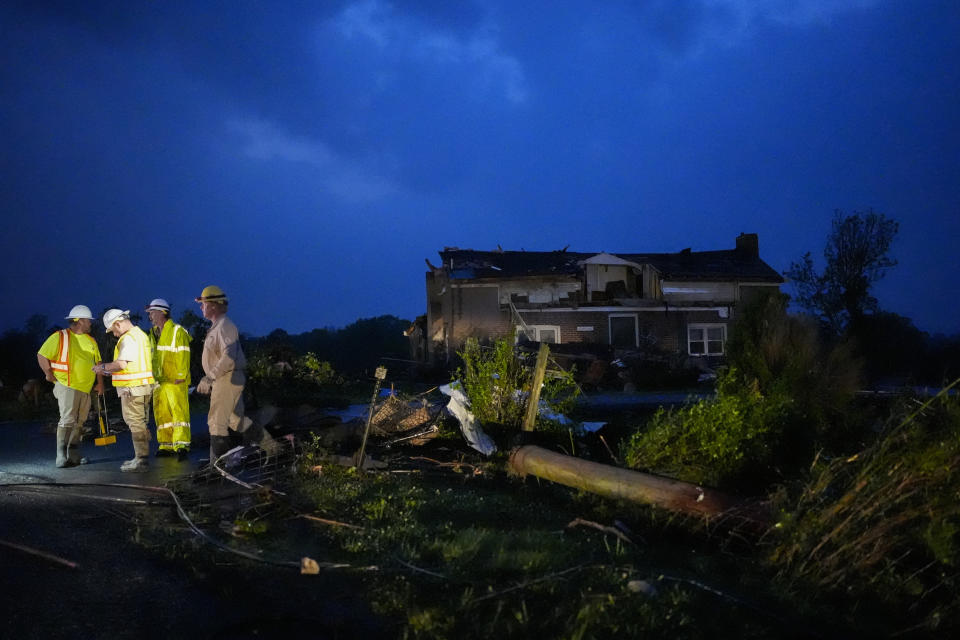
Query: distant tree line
[(352, 350)]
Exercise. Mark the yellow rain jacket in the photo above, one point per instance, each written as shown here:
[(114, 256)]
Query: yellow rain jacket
[(171, 404)]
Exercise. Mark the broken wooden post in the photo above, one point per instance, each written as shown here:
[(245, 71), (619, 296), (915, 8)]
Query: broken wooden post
[(380, 375), (539, 372), (619, 483)]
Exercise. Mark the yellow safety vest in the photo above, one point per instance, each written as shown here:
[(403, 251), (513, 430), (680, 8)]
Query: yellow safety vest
[(62, 362), (137, 372)]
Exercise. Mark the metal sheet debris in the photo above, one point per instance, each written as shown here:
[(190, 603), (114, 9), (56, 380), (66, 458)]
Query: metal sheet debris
[(459, 408)]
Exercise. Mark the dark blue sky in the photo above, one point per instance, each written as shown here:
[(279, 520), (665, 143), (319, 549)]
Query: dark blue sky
[(308, 156)]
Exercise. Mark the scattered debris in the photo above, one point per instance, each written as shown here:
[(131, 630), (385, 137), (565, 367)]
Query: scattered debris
[(334, 523), (456, 465), (41, 554), (309, 566), (369, 464), (469, 426), (394, 416), (644, 587), (580, 522)]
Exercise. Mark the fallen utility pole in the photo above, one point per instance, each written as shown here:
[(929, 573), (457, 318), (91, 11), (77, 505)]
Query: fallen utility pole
[(626, 484)]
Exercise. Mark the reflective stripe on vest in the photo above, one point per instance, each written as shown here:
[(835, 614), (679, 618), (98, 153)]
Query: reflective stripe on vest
[(173, 341), (63, 350), (135, 373)]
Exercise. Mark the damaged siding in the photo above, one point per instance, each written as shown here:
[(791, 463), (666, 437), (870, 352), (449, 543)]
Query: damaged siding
[(539, 292), (570, 324), (693, 292), (661, 328), (662, 301), (474, 312)]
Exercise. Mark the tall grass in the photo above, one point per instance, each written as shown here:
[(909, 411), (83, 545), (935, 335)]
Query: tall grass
[(883, 524)]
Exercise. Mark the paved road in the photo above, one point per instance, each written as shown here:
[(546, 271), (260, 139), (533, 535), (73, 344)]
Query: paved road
[(120, 588), (28, 450)]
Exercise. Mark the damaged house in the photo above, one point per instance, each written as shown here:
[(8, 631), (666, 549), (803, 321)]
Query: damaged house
[(679, 303)]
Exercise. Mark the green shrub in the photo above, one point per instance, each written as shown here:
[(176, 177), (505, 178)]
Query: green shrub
[(310, 369), (715, 442), (497, 384), (293, 379), (491, 377), (784, 354)]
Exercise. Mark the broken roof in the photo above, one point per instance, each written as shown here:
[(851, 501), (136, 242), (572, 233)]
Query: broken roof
[(723, 265)]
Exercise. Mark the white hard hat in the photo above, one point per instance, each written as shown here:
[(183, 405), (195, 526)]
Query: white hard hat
[(80, 311), (158, 304), (112, 315)]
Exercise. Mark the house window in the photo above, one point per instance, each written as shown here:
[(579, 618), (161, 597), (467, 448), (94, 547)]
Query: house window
[(540, 333), (706, 339), (623, 331)]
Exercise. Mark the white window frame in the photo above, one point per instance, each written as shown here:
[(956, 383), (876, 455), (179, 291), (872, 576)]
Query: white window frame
[(536, 329), (703, 328), (636, 326)]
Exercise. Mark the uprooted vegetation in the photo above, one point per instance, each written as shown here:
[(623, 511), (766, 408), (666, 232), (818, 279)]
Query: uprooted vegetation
[(783, 395), (872, 524), (883, 526), (444, 542)]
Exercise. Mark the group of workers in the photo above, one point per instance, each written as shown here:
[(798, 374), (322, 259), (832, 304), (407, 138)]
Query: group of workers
[(149, 369)]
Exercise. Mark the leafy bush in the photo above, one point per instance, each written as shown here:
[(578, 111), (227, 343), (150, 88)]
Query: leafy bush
[(716, 441), (497, 384), (785, 355), (294, 381), (784, 394), (491, 377), (885, 523), (311, 369)]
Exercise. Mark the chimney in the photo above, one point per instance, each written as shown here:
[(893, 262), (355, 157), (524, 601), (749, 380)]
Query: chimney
[(748, 245)]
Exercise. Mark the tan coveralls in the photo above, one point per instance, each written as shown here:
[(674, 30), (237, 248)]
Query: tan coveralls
[(223, 363)]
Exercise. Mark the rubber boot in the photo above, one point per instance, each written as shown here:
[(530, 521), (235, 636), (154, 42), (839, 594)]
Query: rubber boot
[(74, 457), (256, 434), (137, 465), (219, 445), (141, 452), (270, 446), (63, 439)]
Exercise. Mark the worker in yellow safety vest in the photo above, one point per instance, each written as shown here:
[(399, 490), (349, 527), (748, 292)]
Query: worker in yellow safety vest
[(132, 371), (171, 369), (67, 359)]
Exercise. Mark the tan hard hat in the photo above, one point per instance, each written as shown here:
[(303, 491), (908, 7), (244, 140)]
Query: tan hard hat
[(112, 315), (212, 293)]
